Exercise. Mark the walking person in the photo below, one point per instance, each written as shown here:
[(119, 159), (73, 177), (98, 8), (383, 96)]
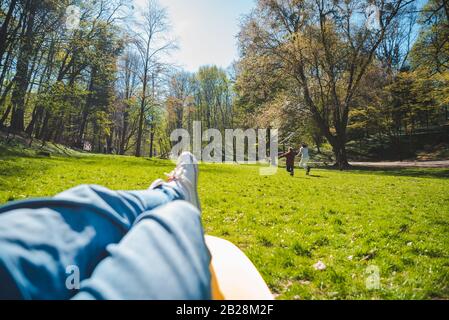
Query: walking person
[(305, 158)]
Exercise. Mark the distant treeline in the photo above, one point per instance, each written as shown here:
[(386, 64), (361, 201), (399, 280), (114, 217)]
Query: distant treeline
[(97, 74)]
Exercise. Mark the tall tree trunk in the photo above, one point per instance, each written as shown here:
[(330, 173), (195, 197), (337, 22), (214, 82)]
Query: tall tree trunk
[(337, 140), (339, 149), (30, 127), (59, 132), (21, 79), (143, 103), (43, 132), (140, 129), (6, 66), (87, 107), (4, 28), (110, 140), (2, 100), (39, 108), (124, 131), (79, 141), (37, 115), (142, 112), (151, 140)]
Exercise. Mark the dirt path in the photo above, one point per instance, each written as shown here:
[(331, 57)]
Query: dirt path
[(403, 164)]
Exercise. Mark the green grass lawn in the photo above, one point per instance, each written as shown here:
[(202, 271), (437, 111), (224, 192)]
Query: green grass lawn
[(395, 220)]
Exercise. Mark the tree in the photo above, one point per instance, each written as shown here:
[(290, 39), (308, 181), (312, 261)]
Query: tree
[(179, 101), (431, 51), (44, 61), (325, 49), (213, 97), (430, 58), (152, 41), (106, 50), (21, 79), (127, 87)]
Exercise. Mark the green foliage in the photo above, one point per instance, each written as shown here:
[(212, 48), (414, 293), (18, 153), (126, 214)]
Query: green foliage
[(60, 97), (431, 50)]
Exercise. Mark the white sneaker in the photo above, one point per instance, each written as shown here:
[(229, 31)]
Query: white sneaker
[(185, 178)]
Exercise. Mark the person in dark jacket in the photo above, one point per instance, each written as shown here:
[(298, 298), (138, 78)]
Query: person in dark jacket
[(290, 160)]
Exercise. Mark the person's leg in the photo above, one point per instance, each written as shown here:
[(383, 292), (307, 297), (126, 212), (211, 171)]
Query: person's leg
[(164, 256), (41, 238), (305, 162), (292, 168)]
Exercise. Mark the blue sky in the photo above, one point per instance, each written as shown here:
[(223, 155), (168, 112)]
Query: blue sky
[(205, 30)]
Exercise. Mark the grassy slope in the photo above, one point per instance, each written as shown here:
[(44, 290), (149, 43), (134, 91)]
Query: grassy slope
[(398, 221)]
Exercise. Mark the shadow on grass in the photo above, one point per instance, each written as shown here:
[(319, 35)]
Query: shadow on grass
[(439, 173), (13, 172), (91, 159), (316, 176), (6, 153), (300, 176)]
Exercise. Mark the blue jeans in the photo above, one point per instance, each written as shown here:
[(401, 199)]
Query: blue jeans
[(119, 245)]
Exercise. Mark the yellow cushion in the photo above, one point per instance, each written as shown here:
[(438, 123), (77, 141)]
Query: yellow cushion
[(234, 277)]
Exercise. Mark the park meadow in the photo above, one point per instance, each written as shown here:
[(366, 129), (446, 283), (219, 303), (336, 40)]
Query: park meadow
[(393, 220)]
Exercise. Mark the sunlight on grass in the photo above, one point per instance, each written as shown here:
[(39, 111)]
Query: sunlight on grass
[(396, 220)]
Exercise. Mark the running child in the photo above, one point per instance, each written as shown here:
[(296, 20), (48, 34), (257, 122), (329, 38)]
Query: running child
[(290, 160)]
